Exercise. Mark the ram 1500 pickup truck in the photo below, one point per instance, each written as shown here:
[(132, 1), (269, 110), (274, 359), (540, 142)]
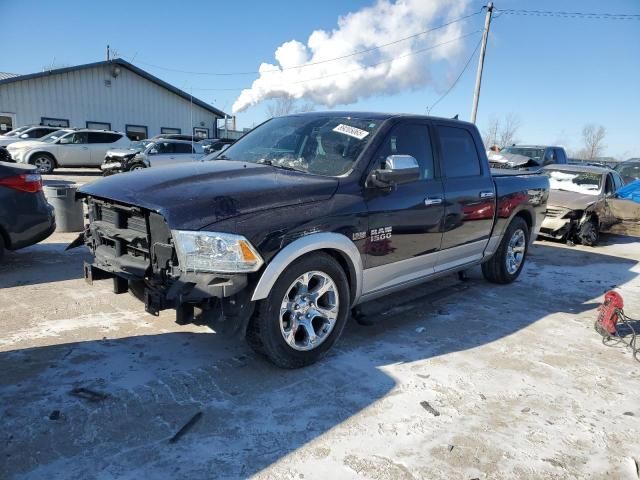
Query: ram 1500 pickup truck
[(305, 217)]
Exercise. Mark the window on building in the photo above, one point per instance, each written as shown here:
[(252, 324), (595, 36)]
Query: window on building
[(136, 132), (172, 131), (99, 125), (459, 154), (103, 137), (200, 132), (54, 122)]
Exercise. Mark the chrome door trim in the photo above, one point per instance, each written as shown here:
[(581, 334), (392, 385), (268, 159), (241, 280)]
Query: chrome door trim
[(306, 244), (416, 281), (390, 275)]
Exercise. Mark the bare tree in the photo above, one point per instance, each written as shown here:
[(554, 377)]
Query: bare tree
[(509, 129), (286, 105), (501, 133), (281, 106), (490, 134), (593, 138)]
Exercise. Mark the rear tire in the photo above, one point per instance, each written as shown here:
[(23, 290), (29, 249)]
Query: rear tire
[(1, 247), (304, 314), (44, 162), (506, 264)]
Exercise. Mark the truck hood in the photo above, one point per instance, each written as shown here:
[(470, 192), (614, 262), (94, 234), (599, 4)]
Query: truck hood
[(122, 152), (509, 159), (194, 195), (570, 200)]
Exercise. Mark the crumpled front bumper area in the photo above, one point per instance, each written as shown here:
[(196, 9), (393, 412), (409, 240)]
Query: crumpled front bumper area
[(134, 247)]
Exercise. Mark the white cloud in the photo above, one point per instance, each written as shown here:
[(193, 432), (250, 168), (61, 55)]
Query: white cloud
[(382, 71)]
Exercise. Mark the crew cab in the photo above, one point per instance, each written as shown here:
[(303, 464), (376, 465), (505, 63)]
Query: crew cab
[(307, 216)]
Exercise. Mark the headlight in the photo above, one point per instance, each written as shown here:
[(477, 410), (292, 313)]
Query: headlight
[(215, 252), (573, 214)]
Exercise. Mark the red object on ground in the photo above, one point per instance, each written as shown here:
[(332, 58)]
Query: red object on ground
[(608, 311)]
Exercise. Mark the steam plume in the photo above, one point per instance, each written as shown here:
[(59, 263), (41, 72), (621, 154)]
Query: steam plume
[(381, 71)]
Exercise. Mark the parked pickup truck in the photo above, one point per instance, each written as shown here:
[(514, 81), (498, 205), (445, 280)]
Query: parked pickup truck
[(307, 216)]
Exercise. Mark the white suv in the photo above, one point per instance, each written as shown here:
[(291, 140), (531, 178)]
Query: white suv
[(29, 133), (68, 148)]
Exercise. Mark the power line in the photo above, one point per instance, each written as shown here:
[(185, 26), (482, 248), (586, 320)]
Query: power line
[(363, 67), (548, 13), (310, 64), (455, 82)]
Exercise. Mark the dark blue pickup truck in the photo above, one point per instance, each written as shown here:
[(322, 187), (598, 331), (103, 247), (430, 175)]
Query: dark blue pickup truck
[(305, 217)]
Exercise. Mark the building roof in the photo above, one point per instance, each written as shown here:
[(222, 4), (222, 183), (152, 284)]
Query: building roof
[(5, 75), (10, 78)]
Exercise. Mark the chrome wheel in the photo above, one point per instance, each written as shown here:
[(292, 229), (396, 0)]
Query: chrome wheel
[(43, 164), (309, 311), (515, 251)]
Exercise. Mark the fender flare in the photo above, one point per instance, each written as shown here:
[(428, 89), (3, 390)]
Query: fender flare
[(31, 153), (302, 246)]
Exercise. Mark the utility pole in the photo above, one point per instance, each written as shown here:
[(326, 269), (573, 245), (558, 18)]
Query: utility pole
[(108, 54), (483, 49)]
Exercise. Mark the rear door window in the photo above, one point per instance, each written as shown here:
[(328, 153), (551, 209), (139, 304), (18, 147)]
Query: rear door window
[(183, 148), (560, 156), (459, 155), (103, 137)]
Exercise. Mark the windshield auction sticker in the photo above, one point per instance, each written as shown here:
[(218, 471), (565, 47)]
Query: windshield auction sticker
[(351, 131)]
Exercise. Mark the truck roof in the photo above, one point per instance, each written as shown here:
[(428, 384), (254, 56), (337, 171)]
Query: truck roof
[(578, 168), (373, 115), (535, 146)]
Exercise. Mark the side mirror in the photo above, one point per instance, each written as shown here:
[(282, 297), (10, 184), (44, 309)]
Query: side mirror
[(24, 135), (397, 169), (153, 151)]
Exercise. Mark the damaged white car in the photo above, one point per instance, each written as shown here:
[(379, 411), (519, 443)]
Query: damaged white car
[(579, 205)]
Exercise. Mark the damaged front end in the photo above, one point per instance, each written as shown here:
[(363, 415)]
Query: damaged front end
[(577, 226), (136, 248)]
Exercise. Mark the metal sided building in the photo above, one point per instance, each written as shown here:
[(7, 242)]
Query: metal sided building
[(111, 95)]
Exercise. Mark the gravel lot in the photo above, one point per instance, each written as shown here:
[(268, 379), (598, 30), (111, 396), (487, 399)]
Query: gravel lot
[(517, 384)]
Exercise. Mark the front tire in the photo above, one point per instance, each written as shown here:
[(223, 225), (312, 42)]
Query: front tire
[(507, 263), (304, 314), (44, 162), (588, 233), (135, 167)]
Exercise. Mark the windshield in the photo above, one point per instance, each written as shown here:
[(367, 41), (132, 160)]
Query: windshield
[(580, 182), (308, 143), (52, 137), (140, 145), (16, 131), (533, 153)]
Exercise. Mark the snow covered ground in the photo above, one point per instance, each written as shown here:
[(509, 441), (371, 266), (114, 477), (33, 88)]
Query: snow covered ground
[(454, 380)]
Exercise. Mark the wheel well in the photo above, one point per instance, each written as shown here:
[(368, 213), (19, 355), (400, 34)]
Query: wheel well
[(526, 216), (33, 154), (347, 267)]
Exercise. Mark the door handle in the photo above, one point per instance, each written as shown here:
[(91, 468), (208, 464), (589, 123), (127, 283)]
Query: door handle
[(85, 148), (432, 201), (487, 194)]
